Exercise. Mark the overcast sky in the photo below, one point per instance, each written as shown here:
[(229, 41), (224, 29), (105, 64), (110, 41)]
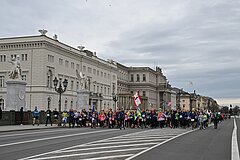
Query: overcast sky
[(194, 41)]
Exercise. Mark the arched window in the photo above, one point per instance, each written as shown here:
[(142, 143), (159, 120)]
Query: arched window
[(65, 105), (71, 103), (2, 103), (49, 79)]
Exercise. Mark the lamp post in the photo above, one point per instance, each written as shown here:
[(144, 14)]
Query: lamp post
[(60, 90), (49, 100), (115, 99)]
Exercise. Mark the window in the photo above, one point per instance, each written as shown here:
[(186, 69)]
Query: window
[(94, 71), (101, 74), (132, 78), (65, 105), (108, 91), (49, 79), (131, 92), (105, 75), (108, 76), (66, 64), (50, 58), (101, 90), (97, 72), (2, 58), (84, 68), (2, 81), (60, 61), (77, 86), (2, 103), (114, 77), (113, 88), (105, 90), (24, 57), (94, 88), (72, 65), (72, 85), (24, 77), (77, 66), (144, 77), (89, 70), (138, 78), (13, 56), (144, 93), (71, 103), (97, 89)]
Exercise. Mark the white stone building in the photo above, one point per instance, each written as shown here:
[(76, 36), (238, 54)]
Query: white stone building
[(43, 59)]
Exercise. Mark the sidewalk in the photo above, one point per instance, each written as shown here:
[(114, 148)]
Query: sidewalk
[(26, 127)]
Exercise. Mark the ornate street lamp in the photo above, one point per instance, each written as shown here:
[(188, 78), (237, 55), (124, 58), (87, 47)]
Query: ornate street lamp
[(60, 90), (115, 99)]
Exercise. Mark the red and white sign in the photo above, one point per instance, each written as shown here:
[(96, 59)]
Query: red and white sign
[(137, 99)]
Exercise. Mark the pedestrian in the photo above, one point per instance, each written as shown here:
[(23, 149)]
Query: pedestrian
[(64, 118), (35, 116), (215, 120), (55, 116), (0, 113), (70, 118), (21, 116), (121, 119), (48, 118)]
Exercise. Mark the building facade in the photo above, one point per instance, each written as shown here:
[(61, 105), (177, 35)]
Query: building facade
[(43, 59), (151, 84)]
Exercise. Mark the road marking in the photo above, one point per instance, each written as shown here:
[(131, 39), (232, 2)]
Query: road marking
[(129, 158), (109, 157), (137, 140), (235, 150), (119, 146), (49, 138), (86, 144), (90, 153), (12, 135), (102, 143)]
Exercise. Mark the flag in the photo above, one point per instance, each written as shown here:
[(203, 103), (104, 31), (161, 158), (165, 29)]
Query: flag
[(169, 104), (137, 99), (190, 84)]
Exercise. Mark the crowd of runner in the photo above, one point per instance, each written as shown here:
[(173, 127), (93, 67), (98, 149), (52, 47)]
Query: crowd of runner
[(141, 118)]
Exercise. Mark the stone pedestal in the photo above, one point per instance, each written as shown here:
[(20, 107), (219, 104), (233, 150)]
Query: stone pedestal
[(16, 95), (83, 100)]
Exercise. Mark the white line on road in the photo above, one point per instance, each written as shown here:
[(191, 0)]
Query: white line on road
[(90, 153), (50, 138), (110, 146), (235, 150), (137, 140), (86, 144), (109, 157), (22, 134), (159, 144)]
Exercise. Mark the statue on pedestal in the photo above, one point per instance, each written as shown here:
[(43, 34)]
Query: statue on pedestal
[(84, 81), (16, 69)]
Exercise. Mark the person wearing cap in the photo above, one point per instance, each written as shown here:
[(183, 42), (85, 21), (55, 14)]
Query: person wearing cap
[(35, 116)]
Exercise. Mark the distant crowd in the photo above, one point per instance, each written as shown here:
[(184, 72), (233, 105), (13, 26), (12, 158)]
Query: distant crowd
[(132, 118)]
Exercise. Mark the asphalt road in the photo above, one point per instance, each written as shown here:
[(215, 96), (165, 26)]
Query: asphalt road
[(96, 144), (199, 145)]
